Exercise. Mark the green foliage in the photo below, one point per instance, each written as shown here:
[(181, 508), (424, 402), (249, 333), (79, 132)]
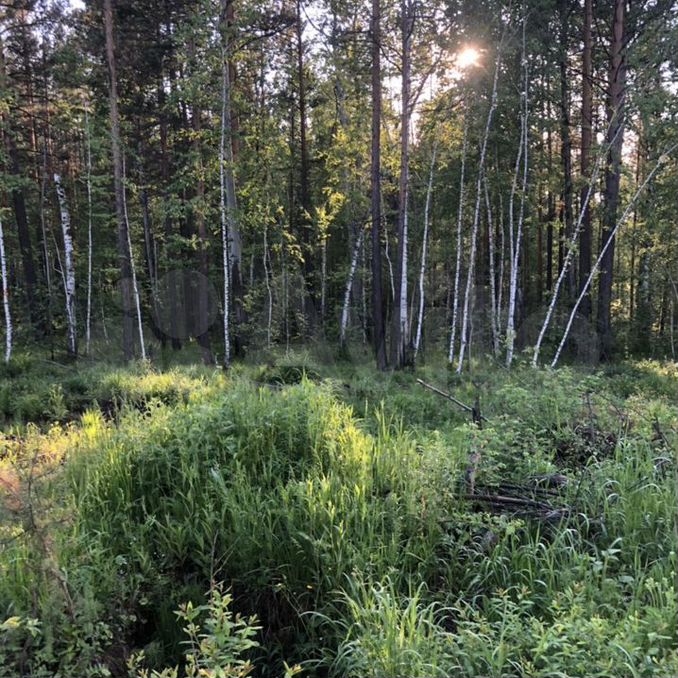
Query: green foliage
[(347, 538), (216, 645)]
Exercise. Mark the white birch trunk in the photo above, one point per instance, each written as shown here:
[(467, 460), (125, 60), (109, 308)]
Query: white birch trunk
[(347, 291), (88, 326), (269, 291), (424, 250), (225, 215), (390, 264), (502, 250), (457, 270), (493, 291), (568, 258), (323, 280), (69, 269), (5, 297), (515, 242), (135, 285), (476, 216), (596, 265)]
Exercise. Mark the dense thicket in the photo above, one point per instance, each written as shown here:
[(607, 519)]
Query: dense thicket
[(270, 141)]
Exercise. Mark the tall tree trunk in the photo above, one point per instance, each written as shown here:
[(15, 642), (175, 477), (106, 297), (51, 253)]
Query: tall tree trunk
[(233, 289), (615, 135), (586, 238), (608, 243), (568, 261), (123, 237), (19, 202), (399, 338), (460, 219), (493, 286), (465, 336), (234, 234), (347, 291), (5, 296), (202, 325), (424, 249), (305, 222), (135, 284), (88, 327), (378, 306), (69, 268), (269, 290), (515, 241), (566, 142)]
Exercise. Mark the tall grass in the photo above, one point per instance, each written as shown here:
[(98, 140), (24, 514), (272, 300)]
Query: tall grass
[(333, 512)]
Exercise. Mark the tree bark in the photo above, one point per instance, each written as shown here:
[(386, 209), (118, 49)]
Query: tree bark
[(122, 235), (305, 222), (88, 326), (457, 268), (424, 249), (19, 203), (347, 291), (5, 296), (378, 306), (69, 268), (203, 337), (399, 338), (515, 243), (566, 142), (586, 238), (615, 133)]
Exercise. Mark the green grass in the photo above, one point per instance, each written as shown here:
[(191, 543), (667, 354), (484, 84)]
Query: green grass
[(329, 500)]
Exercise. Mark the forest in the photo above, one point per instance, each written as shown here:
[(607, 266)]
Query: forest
[(339, 338)]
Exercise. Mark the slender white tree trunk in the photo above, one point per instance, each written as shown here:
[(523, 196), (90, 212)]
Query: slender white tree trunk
[(88, 327), (568, 258), (133, 270), (594, 269), (516, 241), (424, 250), (323, 280), (500, 280), (269, 291), (5, 297), (390, 264), (493, 291), (69, 272), (457, 270), (363, 289), (347, 291), (476, 216), (225, 214)]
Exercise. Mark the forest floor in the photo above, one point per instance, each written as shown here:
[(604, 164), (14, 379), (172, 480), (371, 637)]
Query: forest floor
[(367, 522)]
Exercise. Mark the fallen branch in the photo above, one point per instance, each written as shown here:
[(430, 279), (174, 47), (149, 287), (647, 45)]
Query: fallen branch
[(467, 408)]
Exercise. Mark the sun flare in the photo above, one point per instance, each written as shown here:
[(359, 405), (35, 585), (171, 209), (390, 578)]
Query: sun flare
[(468, 56)]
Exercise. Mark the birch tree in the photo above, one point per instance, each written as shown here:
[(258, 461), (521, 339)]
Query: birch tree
[(605, 248), (515, 240), (69, 267), (5, 296), (424, 248), (347, 290), (399, 338), (226, 198), (133, 271), (124, 254), (493, 290), (378, 307), (457, 270), (88, 325), (464, 338)]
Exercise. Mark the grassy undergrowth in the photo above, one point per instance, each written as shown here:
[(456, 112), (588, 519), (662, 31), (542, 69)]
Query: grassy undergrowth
[(331, 502)]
